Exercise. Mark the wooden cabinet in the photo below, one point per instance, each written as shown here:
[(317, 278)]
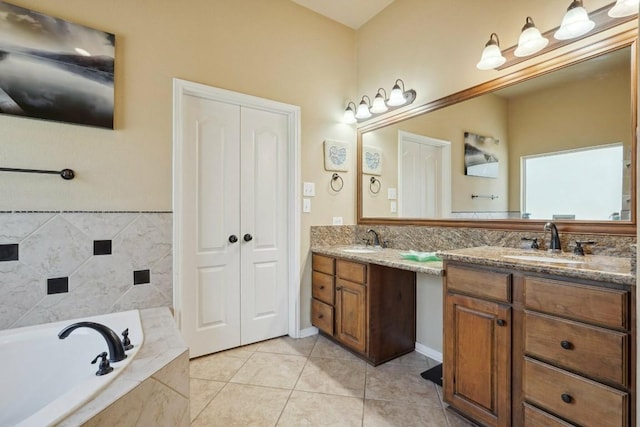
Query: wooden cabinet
[(368, 308), (532, 349), (477, 345)]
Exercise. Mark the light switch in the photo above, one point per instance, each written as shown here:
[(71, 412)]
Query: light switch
[(392, 194), (337, 220), (309, 189), (306, 205), (394, 207)]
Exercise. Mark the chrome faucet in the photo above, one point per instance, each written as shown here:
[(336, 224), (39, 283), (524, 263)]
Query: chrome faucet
[(376, 238), (554, 245), (116, 349)]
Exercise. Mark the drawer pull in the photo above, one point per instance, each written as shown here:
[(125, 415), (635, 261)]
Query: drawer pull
[(566, 398), (322, 287), (320, 316), (501, 322), (566, 345)]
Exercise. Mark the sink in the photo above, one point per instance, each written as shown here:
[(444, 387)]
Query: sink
[(359, 250), (543, 259)]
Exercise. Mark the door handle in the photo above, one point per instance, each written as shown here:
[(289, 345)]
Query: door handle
[(233, 238), (248, 237)]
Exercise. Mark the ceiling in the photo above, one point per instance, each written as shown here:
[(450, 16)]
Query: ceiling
[(352, 13)]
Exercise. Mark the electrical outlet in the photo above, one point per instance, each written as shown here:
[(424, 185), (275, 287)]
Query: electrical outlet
[(392, 194), (309, 189), (394, 207), (306, 205), (337, 220)]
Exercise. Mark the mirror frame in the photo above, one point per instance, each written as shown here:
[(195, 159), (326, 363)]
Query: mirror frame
[(625, 39)]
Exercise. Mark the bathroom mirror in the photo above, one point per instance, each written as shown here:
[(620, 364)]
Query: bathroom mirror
[(514, 152)]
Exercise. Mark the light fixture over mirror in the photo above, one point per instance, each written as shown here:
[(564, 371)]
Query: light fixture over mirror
[(349, 113), (624, 8), (491, 56), (531, 41), (363, 109), (379, 106), (366, 110), (575, 22)]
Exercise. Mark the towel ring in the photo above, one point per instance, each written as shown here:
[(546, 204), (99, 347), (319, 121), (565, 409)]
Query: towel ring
[(334, 178), (372, 182)]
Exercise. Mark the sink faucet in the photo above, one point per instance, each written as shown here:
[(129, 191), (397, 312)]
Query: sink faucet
[(376, 238), (116, 349), (554, 245)]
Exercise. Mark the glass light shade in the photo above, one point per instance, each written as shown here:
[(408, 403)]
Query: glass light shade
[(363, 111), (378, 105), (396, 97), (491, 57), (349, 116), (624, 8), (530, 42), (575, 23)]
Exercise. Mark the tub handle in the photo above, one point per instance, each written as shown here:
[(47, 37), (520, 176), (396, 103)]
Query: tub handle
[(126, 342), (104, 367)]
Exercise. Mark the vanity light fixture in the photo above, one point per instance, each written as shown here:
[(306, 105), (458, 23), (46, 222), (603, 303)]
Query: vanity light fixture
[(624, 8), (491, 55), (366, 109), (363, 109), (575, 23), (379, 106), (349, 114), (531, 41)]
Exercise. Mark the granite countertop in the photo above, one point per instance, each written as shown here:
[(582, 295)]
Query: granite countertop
[(384, 256), (591, 267)]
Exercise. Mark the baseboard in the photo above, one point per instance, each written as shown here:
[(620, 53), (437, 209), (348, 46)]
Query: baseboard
[(308, 332), (429, 352)]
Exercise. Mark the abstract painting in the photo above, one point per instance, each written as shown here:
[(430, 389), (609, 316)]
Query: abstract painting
[(479, 155), (336, 156), (53, 69)]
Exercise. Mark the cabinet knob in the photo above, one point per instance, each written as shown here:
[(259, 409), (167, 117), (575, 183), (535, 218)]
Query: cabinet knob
[(566, 398), (321, 286), (247, 237), (233, 238), (566, 345), (320, 316), (501, 322)]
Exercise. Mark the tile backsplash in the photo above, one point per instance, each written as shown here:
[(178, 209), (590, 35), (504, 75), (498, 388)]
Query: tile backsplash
[(63, 265)]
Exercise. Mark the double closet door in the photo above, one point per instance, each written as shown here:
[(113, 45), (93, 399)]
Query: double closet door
[(234, 225)]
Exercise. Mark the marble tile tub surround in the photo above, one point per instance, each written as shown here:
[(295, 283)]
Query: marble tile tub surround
[(153, 390), (446, 238), (61, 245)]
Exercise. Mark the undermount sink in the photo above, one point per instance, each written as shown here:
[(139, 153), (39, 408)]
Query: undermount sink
[(543, 259), (359, 250)]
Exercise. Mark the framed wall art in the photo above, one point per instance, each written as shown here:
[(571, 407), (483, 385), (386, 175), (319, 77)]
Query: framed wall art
[(336, 156), (479, 155), (371, 160), (53, 69)]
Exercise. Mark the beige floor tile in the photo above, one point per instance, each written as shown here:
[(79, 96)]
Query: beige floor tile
[(328, 349), (201, 392), (271, 370), (314, 409), (217, 367), (333, 376), (243, 405), (399, 383), (379, 413), (288, 345), (414, 359)]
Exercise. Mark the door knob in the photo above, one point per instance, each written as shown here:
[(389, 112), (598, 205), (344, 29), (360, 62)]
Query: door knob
[(248, 237), (233, 238)]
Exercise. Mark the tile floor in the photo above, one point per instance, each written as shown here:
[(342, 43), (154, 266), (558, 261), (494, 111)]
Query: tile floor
[(313, 382)]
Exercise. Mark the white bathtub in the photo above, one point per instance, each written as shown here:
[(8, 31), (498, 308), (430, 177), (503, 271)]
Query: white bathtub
[(43, 378)]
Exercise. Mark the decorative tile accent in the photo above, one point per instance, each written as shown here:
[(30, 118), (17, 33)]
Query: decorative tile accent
[(9, 252), (58, 285), (102, 247), (141, 277)]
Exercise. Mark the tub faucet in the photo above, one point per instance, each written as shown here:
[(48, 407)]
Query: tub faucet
[(116, 350), (376, 238), (554, 245)]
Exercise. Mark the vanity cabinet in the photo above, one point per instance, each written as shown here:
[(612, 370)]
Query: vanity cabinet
[(477, 344), (368, 308), (536, 349)]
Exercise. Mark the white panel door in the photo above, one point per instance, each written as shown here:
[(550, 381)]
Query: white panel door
[(211, 206), (264, 267)]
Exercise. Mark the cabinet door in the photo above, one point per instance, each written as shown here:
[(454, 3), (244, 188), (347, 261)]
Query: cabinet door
[(477, 358), (351, 314)]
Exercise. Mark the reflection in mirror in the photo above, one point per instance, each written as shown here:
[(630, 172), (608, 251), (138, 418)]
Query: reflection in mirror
[(469, 160)]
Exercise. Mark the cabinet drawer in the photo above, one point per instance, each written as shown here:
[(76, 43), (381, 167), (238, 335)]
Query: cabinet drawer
[(323, 264), (322, 287), (591, 350), (351, 271), (601, 306), (534, 417), (322, 316), (482, 283), (572, 397)]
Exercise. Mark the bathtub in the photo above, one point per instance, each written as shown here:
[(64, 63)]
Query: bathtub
[(43, 378)]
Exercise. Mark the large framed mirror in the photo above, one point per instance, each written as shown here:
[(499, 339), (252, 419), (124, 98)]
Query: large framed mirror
[(555, 141)]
